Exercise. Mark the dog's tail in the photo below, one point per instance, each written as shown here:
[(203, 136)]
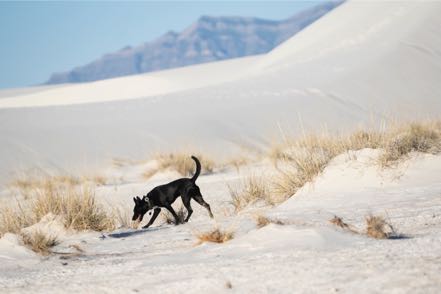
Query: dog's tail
[(198, 169)]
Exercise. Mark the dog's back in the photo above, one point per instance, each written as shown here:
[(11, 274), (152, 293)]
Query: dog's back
[(168, 193)]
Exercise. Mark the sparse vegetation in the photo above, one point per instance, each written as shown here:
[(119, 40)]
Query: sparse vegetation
[(75, 203), (216, 236), (300, 161), (262, 221), (420, 137), (124, 218), (39, 242), (170, 219), (183, 164), (338, 221), (237, 162), (253, 189), (378, 228)]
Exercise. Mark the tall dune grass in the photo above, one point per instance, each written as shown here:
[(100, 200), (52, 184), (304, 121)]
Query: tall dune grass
[(253, 189), (75, 203), (299, 161)]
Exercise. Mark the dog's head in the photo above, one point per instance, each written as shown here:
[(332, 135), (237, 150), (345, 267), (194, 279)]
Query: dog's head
[(141, 207)]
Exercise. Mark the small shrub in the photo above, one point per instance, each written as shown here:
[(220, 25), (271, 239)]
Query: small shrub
[(39, 242), (216, 236), (378, 228)]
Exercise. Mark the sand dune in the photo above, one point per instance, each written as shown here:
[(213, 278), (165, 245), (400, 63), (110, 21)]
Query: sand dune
[(364, 61)]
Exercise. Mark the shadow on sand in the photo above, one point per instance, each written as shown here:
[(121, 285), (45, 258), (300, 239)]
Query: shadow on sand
[(130, 233)]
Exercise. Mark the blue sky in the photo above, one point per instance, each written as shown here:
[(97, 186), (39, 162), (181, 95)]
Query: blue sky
[(39, 38)]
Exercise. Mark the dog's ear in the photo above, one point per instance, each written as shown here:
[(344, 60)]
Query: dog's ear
[(135, 200)]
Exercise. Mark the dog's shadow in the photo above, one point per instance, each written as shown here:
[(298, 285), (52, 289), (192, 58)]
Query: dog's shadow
[(131, 233)]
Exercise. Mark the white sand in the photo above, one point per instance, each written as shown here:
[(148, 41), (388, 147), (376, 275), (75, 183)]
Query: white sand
[(307, 255)]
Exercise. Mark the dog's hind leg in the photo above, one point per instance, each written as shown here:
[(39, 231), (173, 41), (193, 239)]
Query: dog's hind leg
[(172, 211), (186, 202), (201, 201), (154, 216)]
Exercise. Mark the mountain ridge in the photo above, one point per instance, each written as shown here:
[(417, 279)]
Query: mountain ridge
[(210, 38)]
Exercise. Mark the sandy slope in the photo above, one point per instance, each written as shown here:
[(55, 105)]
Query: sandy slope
[(307, 256), (362, 62)]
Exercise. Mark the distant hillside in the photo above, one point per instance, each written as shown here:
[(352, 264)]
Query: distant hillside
[(209, 39)]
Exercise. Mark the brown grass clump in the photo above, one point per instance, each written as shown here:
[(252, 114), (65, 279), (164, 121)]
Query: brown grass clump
[(29, 183), (184, 164), (12, 220), (419, 137), (262, 221), (253, 189), (302, 164), (39, 242), (216, 236), (378, 228), (170, 219), (76, 205)]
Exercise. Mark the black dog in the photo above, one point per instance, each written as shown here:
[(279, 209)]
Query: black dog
[(165, 195)]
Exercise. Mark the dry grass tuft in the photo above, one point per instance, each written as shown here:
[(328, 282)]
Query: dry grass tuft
[(99, 180), (183, 164), (170, 219), (302, 164), (419, 137), (124, 218), (149, 173), (378, 228), (253, 189), (12, 220), (237, 162), (39, 242), (216, 236), (75, 203), (262, 221), (338, 221)]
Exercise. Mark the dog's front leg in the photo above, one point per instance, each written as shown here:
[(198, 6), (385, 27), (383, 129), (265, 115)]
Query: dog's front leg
[(152, 219)]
